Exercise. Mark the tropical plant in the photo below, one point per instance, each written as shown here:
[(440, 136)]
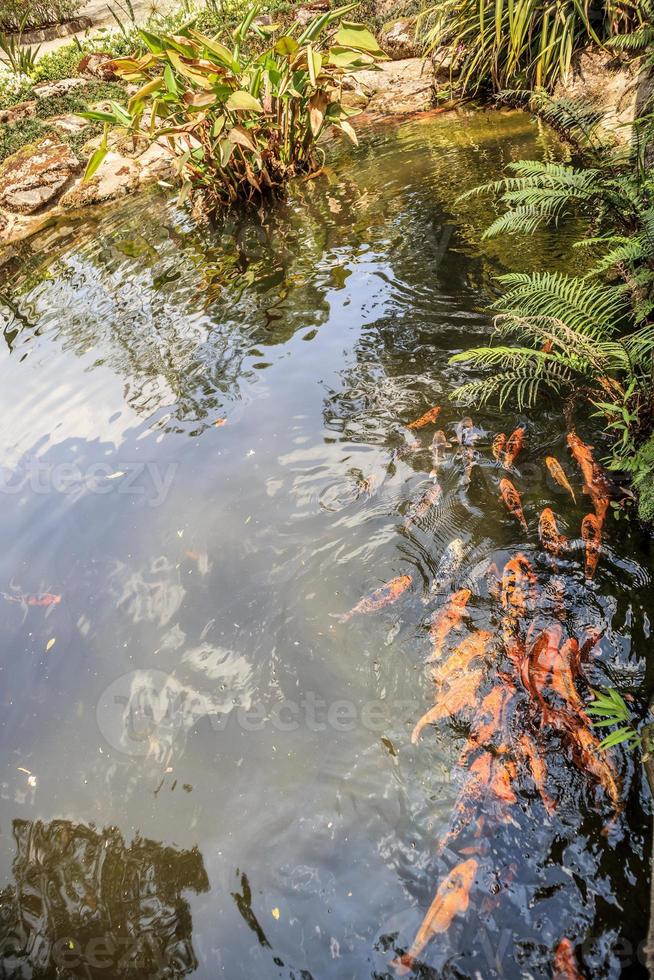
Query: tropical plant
[(525, 42), (592, 335), (17, 57), (16, 15), (240, 123), (611, 710)]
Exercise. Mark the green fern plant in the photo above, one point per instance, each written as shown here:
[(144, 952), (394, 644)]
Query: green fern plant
[(611, 710)]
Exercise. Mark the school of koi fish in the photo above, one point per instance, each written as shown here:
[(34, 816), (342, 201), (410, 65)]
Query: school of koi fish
[(518, 691)]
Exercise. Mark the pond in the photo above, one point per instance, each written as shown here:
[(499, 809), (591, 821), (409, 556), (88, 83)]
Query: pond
[(206, 768)]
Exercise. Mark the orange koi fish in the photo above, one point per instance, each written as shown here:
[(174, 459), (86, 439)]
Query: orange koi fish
[(590, 758), (491, 722), (499, 445), (512, 501), (438, 444), (451, 899), (381, 597), (565, 962), (446, 619), (591, 533), (513, 446), (538, 770), (518, 592), (428, 499), (426, 419), (551, 540), (44, 599), (595, 481), (558, 475), (542, 658), (466, 653), (458, 695)]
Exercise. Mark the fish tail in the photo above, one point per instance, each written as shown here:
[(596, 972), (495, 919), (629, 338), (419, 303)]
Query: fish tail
[(341, 617)]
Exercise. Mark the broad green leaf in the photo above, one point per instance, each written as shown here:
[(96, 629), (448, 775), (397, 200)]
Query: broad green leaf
[(220, 51), (154, 43), (226, 150), (348, 130), (96, 115), (314, 62), (286, 46), (357, 36), (96, 158), (169, 79), (348, 58), (154, 86), (242, 101)]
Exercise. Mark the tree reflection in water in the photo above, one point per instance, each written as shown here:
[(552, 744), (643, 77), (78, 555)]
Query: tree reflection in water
[(85, 904)]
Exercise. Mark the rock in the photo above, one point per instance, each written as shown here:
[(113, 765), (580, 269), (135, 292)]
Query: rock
[(97, 65), (387, 9), (400, 87), (620, 85), (46, 90), (23, 110), (305, 14), (398, 39), (36, 176), (68, 124), (115, 177), (264, 20), (156, 163)]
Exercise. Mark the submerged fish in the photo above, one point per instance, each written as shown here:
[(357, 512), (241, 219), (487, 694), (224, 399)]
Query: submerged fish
[(430, 497), (446, 619), (591, 533), (517, 595), (43, 599), (463, 657), (448, 566), (549, 534), (565, 962), (537, 768), (512, 501), (514, 445), (451, 899), (458, 694), (381, 597), (438, 444), (426, 419), (596, 483), (499, 445), (463, 429), (558, 475)]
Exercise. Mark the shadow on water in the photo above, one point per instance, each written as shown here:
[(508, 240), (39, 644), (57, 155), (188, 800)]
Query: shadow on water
[(205, 462)]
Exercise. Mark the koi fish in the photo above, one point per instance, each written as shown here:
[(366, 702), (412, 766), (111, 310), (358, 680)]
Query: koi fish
[(438, 444), (513, 446), (518, 592), (542, 658), (595, 481), (512, 501), (558, 475), (492, 719), (446, 619), (538, 770), (452, 898), (585, 746), (426, 419), (428, 499), (463, 429), (365, 486), (548, 531), (591, 533), (499, 446), (383, 596), (448, 565), (44, 599), (457, 696), (466, 653), (565, 962)]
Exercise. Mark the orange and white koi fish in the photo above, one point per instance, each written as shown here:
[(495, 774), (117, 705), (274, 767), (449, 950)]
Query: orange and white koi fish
[(565, 962), (512, 501), (596, 483), (43, 599), (513, 446), (430, 497), (447, 619), (426, 419), (538, 770), (548, 531), (591, 533), (451, 899), (491, 723), (448, 566), (558, 475), (499, 446), (463, 429), (381, 597), (463, 657), (438, 444)]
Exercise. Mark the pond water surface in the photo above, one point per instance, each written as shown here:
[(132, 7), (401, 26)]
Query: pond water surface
[(203, 771)]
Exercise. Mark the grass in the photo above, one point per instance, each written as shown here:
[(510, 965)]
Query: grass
[(17, 135)]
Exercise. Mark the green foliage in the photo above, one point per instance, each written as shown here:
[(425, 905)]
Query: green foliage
[(525, 42), (58, 64), (591, 335), (14, 55), (18, 15), (241, 121), (611, 710)]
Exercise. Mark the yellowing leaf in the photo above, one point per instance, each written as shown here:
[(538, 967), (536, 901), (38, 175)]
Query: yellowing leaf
[(243, 101), (240, 136), (275, 913), (358, 36), (49, 645)]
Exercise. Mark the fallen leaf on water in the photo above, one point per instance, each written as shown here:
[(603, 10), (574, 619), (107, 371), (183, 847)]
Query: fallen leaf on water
[(275, 913), (49, 645), (220, 422)]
